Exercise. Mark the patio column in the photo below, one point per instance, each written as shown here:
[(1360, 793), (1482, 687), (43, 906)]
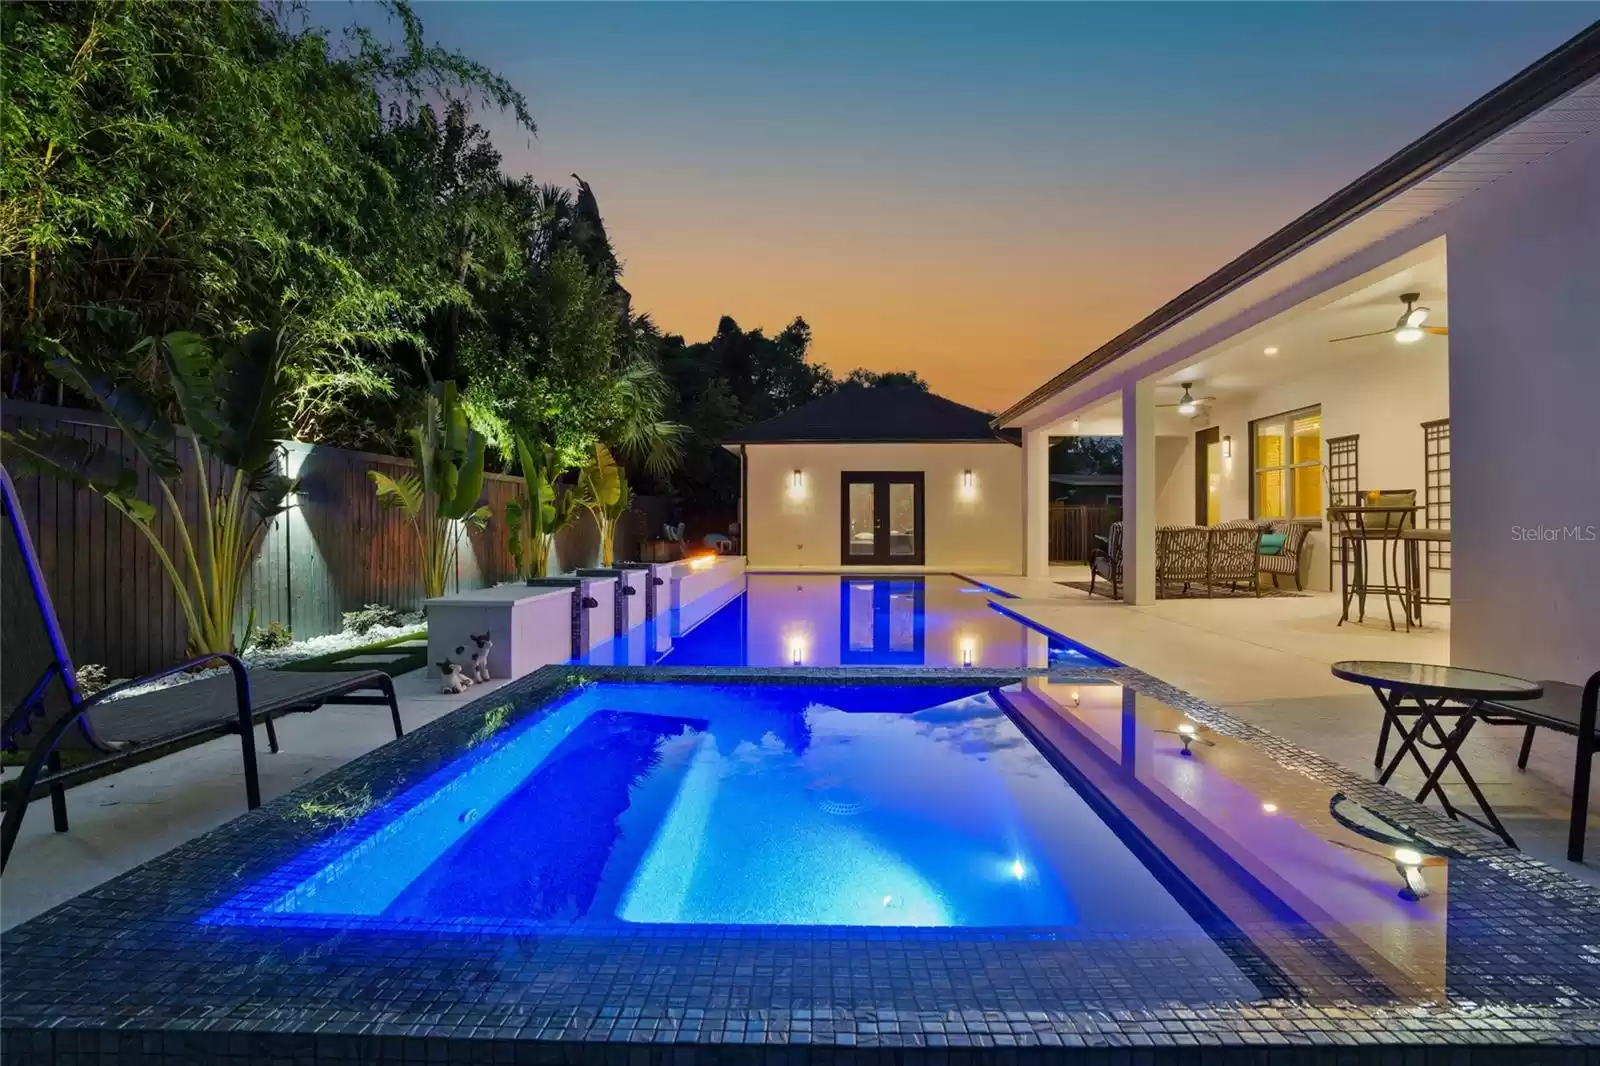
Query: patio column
[(1036, 503), (1139, 492)]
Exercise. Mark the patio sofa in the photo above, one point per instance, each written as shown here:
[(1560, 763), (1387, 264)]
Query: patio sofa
[(46, 715), (1187, 556)]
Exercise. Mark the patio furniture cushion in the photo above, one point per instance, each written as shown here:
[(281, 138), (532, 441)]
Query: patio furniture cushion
[(1272, 543)]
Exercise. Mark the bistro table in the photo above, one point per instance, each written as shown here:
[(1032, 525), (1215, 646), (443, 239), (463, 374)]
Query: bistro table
[(1425, 695), (1358, 525)]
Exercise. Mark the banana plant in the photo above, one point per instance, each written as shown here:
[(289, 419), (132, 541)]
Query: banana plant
[(441, 497), (232, 407), (534, 519), (607, 496)]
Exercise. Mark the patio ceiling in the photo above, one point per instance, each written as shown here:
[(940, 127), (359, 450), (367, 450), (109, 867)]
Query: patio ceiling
[(1300, 337)]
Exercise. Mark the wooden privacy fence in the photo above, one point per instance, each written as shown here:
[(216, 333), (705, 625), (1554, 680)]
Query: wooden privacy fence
[(1073, 528), (336, 550)]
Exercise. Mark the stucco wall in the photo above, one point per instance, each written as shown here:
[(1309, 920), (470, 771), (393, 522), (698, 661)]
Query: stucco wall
[(976, 533), (1175, 481), (1524, 262)]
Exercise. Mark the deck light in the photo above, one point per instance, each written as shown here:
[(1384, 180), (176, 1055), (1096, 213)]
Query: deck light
[(1227, 447), (1186, 733), (1408, 864)]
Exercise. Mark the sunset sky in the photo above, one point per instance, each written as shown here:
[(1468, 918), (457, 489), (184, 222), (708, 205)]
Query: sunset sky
[(980, 192)]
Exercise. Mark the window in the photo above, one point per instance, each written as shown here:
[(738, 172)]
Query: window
[(1286, 464)]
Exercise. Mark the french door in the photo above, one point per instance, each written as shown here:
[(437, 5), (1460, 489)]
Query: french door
[(882, 519)]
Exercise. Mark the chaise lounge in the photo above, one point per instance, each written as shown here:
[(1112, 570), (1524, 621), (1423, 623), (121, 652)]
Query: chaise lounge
[(46, 715)]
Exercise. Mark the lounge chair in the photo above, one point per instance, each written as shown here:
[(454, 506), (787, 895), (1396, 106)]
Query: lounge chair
[(1568, 709), (46, 715)]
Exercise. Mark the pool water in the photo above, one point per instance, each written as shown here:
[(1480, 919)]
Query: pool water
[(1044, 809), (765, 620), (672, 804)]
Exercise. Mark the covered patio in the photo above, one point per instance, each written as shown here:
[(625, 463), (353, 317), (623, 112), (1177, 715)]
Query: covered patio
[(1239, 401), (1318, 408)]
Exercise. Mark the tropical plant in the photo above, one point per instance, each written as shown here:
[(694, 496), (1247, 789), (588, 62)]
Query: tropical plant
[(534, 519), (231, 406), (442, 496), (607, 497)]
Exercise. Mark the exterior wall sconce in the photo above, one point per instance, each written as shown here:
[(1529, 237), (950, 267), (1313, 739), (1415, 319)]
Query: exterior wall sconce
[(797, 485), (797, 652), (968, 485), (1227, 447), (969, 651)]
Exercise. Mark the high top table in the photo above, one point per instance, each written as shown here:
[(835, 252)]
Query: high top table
[(1358, 525), (1427, 694)]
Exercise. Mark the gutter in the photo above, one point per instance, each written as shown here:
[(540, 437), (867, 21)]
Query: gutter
[(1534, 88)]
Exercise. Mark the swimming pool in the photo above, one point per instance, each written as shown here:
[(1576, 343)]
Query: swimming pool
[(1043, 808), (771, 620), (740, 858)]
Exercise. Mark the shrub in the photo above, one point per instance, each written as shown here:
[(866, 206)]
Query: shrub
[(276, 635), (92, 677), (373, 614)]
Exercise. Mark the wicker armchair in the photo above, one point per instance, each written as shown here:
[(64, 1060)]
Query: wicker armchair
[(1235, 557), (1287, 561), (1107, 562), (1182, 556)]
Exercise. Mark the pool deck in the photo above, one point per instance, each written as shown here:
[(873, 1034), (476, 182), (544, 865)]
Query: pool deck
[(125, 974)]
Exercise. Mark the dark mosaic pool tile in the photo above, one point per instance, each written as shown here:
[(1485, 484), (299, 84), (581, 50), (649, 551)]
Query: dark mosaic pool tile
[(125, 974)]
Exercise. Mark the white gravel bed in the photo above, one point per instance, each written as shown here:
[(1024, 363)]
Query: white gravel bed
[(412, 624)]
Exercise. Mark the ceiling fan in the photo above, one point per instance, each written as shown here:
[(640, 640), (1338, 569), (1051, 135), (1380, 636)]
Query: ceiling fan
[(1188, 403), (1408, 328)]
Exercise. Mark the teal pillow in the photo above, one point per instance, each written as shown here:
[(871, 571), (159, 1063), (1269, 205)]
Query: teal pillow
[(1272, 543)]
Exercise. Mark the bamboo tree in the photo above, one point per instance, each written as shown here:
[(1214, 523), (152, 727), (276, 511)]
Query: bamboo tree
[(442, 496), (231, 408)]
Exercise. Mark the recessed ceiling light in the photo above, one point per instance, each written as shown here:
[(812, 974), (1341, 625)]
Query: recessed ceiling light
[(1271, 349)]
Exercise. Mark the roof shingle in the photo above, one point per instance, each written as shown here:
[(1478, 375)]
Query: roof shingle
[(877, 415)]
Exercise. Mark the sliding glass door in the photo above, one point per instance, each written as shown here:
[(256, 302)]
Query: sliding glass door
[(882, 519)]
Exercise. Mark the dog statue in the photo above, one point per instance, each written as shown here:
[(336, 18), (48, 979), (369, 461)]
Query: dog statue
[(480, 657), (453, 679)]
